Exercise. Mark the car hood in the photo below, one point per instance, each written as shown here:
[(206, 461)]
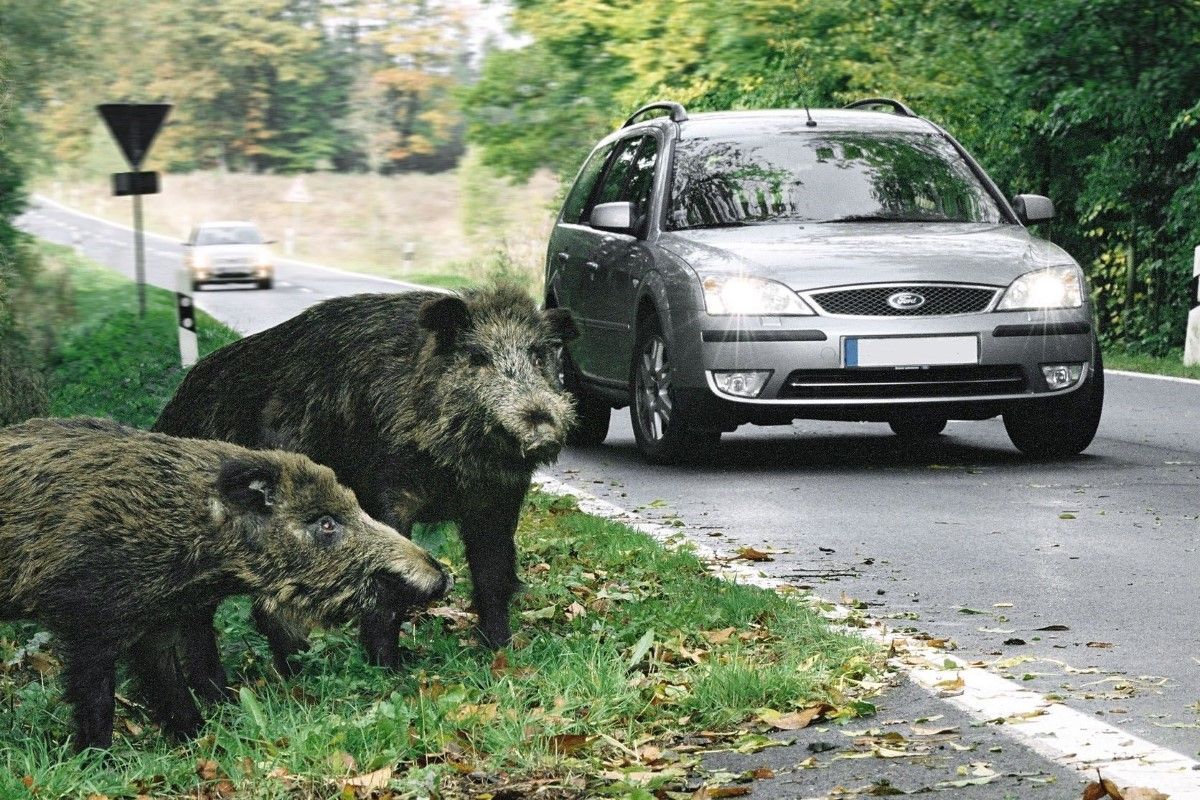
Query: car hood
[(813, 256)]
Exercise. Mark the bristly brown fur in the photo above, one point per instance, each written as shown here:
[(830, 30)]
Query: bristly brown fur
[(432, 407), (117, 540)]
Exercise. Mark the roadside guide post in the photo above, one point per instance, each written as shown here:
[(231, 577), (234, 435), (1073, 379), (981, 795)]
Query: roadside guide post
[(1191, 347), (134, 126), (297, 193), (186, 306)]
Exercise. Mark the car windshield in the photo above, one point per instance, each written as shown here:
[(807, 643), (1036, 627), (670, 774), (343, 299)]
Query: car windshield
[(806, 176), (229, 234)]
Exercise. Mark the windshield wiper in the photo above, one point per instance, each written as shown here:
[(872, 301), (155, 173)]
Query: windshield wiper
[(891, 218)]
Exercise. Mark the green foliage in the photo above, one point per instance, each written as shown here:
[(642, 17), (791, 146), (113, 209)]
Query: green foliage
[(110, 362), (1090, 102)]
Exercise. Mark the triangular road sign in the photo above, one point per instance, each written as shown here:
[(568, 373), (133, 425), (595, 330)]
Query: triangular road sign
[(134, 126)]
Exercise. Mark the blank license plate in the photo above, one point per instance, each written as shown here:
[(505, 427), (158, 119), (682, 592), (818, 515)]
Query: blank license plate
[(911, 351)]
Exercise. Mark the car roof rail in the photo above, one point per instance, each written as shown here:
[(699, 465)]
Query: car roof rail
[(897, 107), (678, 112)]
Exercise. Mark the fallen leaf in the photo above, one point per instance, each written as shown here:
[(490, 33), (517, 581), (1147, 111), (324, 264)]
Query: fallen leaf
[(379, 779), (575, 610), (565, 744), (794, 720), (718, 637), (751, 554), (207, 769), (1053, 628), (721, 791), (541, 613), (1101, 645), (1143, 793)]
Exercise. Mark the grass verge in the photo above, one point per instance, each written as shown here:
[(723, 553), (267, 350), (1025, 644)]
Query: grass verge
[(630, 659), (1155, 365)]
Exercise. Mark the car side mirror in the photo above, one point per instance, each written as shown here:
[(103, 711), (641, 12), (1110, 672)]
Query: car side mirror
[(614, 217), (1033, 208), (269, 241)]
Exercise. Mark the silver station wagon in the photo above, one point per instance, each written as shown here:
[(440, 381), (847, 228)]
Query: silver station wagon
[(847, 264)]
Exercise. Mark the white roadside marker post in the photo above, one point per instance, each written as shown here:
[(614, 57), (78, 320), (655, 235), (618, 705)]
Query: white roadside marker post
[(1191, 346), (189, 352)]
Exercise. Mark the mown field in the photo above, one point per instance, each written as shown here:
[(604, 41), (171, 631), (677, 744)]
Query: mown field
[(630, 660), (463, 224)]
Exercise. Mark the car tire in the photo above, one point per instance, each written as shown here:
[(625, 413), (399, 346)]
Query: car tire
[(592, 415), (917, 427), (266, 283), (660, 420), (1060, 427)]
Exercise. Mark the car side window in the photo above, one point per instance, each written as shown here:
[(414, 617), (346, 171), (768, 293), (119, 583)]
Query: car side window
[(582, 190), (641, 185), (619, 170)]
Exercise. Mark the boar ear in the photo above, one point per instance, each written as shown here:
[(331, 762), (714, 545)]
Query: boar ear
[(445, 316), (562, 324), (249, 485)]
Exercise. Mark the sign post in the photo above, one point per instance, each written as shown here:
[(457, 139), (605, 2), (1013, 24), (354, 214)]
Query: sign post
[(1191, 344), (186, 306), (134, 126)]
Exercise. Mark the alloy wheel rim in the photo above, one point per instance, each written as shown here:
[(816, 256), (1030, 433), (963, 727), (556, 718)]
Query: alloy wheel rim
[(654, 389)]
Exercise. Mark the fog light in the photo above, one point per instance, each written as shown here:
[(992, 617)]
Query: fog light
[(746, 383), (1060, 376)]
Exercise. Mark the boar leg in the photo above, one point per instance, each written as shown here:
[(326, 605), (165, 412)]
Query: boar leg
[(380, 636), (156, 666), (285, 639), (90, 679), (492, 557), (206, 674)]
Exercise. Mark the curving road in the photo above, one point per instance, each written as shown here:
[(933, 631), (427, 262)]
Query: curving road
[(1088, 567)]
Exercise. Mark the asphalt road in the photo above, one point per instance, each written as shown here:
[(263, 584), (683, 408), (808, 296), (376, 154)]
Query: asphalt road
[(1086, 566), (247, 310)]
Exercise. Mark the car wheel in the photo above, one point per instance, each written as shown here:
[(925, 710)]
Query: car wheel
[(660, 421), (266, 283), (917, 427), (1059, 427), (592, 415)]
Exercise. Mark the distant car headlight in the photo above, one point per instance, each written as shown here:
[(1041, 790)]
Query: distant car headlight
[(201, 260), (745, 296), (1055, 287), (262, 258)]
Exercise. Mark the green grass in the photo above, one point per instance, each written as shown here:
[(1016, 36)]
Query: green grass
[(621, 644), (1155, 365)]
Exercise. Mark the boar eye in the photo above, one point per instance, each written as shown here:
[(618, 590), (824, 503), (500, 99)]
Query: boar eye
[(327, 528)]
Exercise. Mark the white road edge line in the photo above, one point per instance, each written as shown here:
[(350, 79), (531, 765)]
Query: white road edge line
[(360, 275), (1171, 378), (1054, 731)]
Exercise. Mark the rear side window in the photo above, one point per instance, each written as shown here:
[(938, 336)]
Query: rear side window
[(582, 190)]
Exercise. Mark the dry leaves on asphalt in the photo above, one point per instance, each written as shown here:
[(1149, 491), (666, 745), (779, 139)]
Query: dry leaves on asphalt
[(1104, 788)]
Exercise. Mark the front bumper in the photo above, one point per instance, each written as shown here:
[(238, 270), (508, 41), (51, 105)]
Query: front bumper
[(807, 358)]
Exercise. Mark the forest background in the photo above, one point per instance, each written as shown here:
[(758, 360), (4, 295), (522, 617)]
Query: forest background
[(1095, 103)]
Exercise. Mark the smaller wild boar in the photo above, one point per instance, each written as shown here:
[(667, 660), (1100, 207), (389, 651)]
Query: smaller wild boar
[(432, 407), (114, 539)]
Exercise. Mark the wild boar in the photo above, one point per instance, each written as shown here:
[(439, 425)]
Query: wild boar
[(116, 539), (432, 407)]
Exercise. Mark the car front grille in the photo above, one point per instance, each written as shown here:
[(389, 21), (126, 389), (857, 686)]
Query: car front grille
[(872, 301), (891, 383)]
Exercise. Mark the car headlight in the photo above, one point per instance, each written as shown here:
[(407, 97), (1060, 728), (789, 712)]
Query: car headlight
[(262, 258), (741, 295), (1055, 287)]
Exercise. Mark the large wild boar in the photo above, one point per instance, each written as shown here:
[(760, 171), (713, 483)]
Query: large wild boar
[(116, 540), (431, 407)]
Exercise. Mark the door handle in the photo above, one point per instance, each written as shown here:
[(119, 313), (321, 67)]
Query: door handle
[(564, 258)]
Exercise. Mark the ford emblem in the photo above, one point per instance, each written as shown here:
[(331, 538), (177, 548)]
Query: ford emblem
[(906, 301)]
